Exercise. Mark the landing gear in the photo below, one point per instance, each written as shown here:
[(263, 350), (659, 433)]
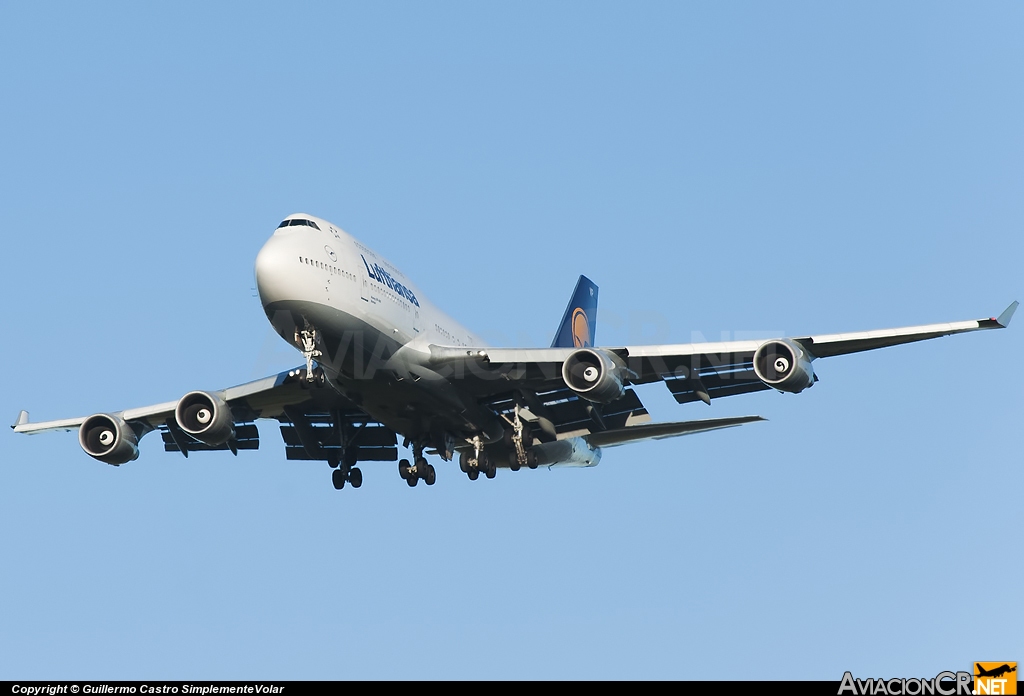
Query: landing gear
[(420, 469), (308, 339), (518, 439), (475, 461), (345, 472), (513, 460)]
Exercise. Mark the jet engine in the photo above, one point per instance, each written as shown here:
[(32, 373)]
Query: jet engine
[(205, 417), (109, 439), (594, 374), (784, 365)]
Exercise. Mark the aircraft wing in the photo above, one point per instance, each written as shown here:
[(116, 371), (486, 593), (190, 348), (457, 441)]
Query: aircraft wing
[(313, 421), (692, 372), (660, 431)]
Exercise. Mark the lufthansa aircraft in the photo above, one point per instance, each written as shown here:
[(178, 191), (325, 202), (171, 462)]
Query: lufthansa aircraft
[(383, 363)]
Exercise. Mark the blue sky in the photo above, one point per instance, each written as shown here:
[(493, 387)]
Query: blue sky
[(719, 169)]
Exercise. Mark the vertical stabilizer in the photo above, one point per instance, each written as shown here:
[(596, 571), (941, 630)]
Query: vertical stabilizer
[(579, 323)]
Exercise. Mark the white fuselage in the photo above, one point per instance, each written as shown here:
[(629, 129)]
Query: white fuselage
[(302, 264)]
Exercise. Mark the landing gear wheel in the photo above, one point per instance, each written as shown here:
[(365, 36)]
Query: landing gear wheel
[(513, 461), (338, 479), (421, 467), (473, 474), (412, 481), (403, 470), (355, 477), (430, 476), (333, 463), (531, 460), (492, 470), (464, 461)]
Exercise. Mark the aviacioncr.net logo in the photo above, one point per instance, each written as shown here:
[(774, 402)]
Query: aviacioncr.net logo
[(943, 684)]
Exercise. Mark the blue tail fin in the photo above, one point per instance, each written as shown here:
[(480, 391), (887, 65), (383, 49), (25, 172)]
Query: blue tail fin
[(579, 323)]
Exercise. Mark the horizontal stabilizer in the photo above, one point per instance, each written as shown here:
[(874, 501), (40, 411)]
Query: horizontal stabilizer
[(657, 431)]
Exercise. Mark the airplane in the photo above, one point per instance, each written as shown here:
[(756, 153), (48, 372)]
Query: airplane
[(382, 362), (996, 672)]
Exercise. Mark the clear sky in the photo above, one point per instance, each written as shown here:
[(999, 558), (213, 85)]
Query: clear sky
[(719, 169)]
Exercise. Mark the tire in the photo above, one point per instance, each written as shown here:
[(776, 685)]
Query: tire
[(403, 469), (531, 460), (431, 475), (338, 479), (513, 461), (464, 461), (474, 474), (421, 467), (412, 481), (355, 477), (492, 471)]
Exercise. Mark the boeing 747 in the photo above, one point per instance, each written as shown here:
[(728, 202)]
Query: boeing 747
[(383, 364)]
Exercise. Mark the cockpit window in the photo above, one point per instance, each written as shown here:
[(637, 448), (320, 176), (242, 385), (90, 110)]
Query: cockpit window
[(298, 222)]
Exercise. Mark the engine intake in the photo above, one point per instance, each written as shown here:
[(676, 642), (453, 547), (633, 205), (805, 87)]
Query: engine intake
[(594, 374), (784, 365), (205, 417), (109, 439)]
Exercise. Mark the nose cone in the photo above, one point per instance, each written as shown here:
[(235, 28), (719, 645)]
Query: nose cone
[(273, 264)]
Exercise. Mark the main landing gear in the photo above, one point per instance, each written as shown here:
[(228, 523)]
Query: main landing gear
[(419, 469), (518, 440), (345, 472), (353, 476), (472, 463)]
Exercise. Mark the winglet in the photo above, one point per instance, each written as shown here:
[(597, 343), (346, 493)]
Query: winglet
[(1004, 319), (22, 420)]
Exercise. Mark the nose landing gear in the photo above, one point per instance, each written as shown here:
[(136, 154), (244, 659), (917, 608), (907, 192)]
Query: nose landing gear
[(308, 339)]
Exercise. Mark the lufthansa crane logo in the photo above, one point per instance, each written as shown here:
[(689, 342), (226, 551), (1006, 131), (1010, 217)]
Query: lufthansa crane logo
[(580, 328)]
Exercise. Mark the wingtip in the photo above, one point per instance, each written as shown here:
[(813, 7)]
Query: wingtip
[(22, 420), (1004, 319)]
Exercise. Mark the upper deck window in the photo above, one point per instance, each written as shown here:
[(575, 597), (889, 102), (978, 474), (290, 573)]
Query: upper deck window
[(298, 222)]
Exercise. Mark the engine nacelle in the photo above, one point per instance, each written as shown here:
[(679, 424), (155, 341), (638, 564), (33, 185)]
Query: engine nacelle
[(205, 417), (109, 439), (784, 365), (570, 452), (594, 374)]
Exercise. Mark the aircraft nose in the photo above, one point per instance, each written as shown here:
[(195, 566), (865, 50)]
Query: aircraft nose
[(272, 266)]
